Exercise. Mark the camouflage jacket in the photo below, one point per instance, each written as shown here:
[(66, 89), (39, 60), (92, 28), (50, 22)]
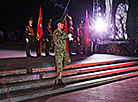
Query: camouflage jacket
[(59, 38)]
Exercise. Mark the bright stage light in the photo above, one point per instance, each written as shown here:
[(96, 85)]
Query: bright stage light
[(100, 25)]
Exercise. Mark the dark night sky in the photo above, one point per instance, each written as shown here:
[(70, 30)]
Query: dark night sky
[(14, 13)]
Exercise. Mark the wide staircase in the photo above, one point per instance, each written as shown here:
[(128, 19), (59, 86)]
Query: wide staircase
[(30, 83)]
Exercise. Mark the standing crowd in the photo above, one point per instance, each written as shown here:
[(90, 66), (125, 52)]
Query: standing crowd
[(76, 45)]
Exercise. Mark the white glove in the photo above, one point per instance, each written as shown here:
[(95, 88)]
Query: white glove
[(27, 40), (47, 40), (43, 39), (70, 37)]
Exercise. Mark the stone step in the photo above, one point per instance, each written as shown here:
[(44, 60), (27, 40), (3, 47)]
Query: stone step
[(19, 71), (48, 75), (68, 80), (23, 96)]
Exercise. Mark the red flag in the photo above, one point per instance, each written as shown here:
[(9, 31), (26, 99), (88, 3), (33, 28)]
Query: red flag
[(39, 26), (86, 30), (66, 30), (70, 25), (39, 29)]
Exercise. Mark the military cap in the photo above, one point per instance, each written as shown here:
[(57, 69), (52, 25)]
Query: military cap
[(30, 18), (60, 20)]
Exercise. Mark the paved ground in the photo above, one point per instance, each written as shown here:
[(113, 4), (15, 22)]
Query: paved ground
[(12, 56), (21, 62), (121, 91)]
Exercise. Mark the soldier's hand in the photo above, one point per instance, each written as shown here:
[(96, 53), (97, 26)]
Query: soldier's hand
[(43, 39), (27, 40), (47, 40), (70, 37)]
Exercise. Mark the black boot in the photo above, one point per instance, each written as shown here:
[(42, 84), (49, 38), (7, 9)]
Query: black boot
[(61, 83), (56, 68), (28, 55)]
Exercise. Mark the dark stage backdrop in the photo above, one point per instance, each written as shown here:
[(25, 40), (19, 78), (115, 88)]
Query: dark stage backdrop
[(132, 13), (14, 13)]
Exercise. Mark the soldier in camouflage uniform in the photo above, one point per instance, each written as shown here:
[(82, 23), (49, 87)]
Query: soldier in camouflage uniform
[(29, 37), (61, 56)]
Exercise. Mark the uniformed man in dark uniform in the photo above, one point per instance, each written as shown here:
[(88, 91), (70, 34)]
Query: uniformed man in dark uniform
[(80, 38), (29, 36), (61, 56), (48, 37)]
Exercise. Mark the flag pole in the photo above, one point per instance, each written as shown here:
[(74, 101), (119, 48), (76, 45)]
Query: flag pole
[(65, 8), (40, 41)]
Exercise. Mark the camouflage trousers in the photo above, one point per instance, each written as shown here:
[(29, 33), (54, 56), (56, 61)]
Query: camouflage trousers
[(62, 59)]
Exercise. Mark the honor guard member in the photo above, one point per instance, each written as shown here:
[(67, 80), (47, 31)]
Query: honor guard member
[(29, 36), (49, 42), (80, 38), (61, 55)]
